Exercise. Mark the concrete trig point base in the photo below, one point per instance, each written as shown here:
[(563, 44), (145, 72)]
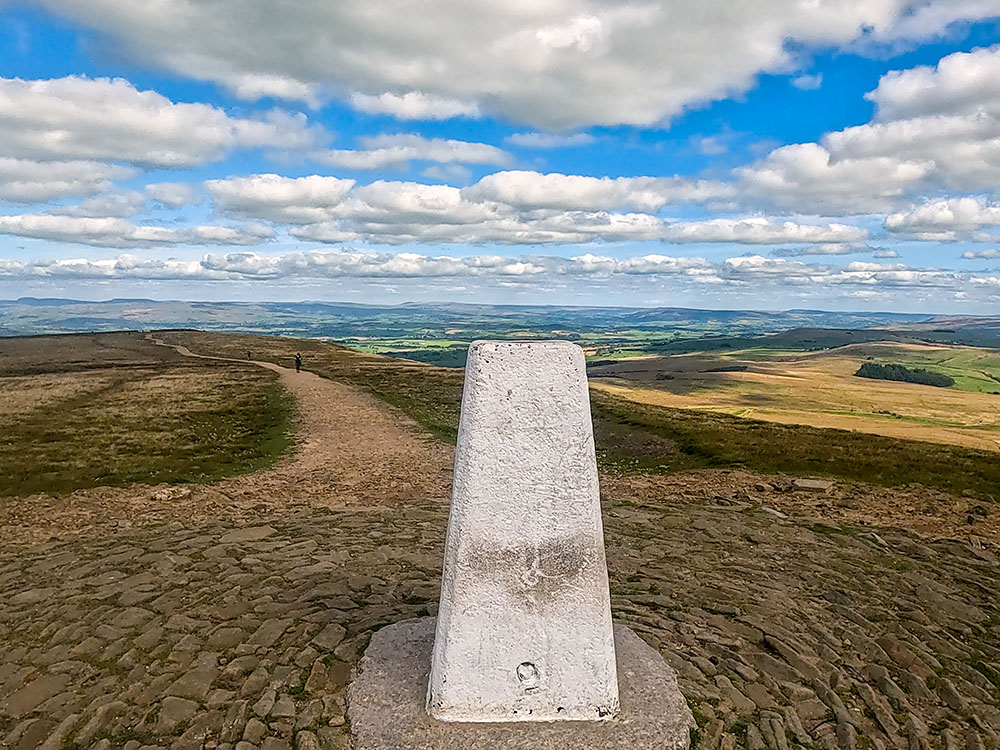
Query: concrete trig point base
[(524, 631), (385, 704)]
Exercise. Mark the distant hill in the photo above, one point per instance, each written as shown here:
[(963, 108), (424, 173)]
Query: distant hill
[(817, 339), (30, 315), (653, 330)]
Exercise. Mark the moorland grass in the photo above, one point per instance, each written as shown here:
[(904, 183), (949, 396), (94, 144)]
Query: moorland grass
[(632, 436), (72, 421), (432, 396)]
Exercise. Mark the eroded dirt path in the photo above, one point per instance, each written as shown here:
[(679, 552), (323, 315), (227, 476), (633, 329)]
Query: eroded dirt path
[(350, 451)]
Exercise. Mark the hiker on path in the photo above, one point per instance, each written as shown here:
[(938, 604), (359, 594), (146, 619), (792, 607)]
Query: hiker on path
[(248, 354), (298, 362)]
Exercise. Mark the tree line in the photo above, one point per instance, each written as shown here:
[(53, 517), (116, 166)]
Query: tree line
[(904, 374)]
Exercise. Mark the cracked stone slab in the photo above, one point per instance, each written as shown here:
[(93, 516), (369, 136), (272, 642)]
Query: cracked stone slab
[(247, 534), (386, 703)]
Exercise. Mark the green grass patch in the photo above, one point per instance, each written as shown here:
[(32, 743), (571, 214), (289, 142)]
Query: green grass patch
[(889, 415), (172, 421), (973, 370)]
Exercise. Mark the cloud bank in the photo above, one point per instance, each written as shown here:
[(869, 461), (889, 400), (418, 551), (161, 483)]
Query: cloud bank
[(742, 272), (551, 64)]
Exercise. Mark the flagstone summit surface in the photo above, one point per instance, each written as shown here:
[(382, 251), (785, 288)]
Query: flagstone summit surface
[(167, 636)]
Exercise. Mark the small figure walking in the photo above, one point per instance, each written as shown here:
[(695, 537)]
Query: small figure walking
[(248, 354), (298, 362)]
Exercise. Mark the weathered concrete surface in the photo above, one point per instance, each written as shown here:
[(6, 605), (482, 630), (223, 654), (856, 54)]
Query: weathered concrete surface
[(524, 627), (385, 704)]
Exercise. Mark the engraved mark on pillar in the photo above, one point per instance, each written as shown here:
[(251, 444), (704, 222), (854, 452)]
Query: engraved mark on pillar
[(527, 675)]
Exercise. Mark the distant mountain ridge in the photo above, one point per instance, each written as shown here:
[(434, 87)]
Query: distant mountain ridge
[(348, 320)]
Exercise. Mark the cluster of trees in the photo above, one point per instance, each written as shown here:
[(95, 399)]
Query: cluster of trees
[(904, 374), (728, 368)]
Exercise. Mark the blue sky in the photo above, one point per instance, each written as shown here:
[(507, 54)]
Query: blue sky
[(842, 155)]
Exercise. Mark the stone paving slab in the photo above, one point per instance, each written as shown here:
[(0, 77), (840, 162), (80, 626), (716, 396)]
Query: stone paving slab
[(386, 703), (782, 632)]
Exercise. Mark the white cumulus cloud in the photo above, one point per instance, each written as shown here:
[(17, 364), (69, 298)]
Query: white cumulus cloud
[(808, 178), (110, 231), (172, 194), (550, 140), (32, 181), (531, 190), (962, 83), (508, 208), (808, 82), (413, 105), (270, 197), (107, 205), (742, 271), (947, 220), (552, 64), (78, 118), (936, 128), (398, 150)]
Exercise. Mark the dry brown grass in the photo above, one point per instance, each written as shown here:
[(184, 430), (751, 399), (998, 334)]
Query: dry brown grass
[(816, 389), (430, 395)]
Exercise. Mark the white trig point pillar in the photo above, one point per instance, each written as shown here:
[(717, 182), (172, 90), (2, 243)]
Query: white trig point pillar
[(524, 629)]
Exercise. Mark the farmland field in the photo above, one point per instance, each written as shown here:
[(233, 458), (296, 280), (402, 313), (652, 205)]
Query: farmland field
[(820, 389)]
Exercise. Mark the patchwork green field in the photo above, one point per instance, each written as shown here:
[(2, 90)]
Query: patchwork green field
[(439, 333)]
